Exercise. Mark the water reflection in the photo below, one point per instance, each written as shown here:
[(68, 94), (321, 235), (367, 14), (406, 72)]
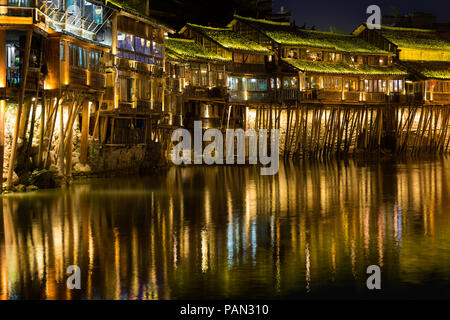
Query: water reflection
[(227, 232)]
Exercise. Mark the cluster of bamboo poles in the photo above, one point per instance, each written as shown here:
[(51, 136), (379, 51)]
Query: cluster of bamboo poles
[(422, 129), (323, 131), (320, 130), (52, 113)]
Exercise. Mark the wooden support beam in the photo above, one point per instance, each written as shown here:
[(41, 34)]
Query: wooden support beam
[(51, 122), (84, 132), (42, 130), (19, 106), (2, 140), (100, 102), (61, 138)]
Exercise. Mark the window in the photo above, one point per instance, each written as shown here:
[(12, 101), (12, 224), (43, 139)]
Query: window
[(71, 54), (62, 51), (204, 75), (290, 83), (157, 50), (20, 3), (94, 61), (292, 53), (396, 85), (351, 85), (374, 85), (126, 89), (256, 84), (314, 55), (235, 84), (78, 56), (139, 49), (140, 45), (238, 58)]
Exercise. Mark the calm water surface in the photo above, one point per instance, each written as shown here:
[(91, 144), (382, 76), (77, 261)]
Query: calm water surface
[(227, 232)]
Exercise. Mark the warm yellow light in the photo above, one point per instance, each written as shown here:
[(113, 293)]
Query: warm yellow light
[(47, 86)]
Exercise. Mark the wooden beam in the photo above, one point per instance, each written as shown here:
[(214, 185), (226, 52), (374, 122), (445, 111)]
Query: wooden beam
[(84, 133), (2, 140), (100, 102), (19, 107), (61, 138), (41, 131)]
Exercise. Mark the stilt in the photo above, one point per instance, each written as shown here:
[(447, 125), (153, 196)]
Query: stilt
[(2, 140), (19, 107), (85, 132)]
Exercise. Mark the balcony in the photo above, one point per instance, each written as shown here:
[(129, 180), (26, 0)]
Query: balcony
[(244, 97), (375, 97), (285, 95), (124, 64), (329, 95), (14, 76), (24, 9), (238, 68), (205, 93), (438, 97), (352, 96), (78, 76), (173, 84), (96, 80), (87, 24)]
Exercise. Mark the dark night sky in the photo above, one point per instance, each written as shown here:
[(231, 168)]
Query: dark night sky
[(347, 15)]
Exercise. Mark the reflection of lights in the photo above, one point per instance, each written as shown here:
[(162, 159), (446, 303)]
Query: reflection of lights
[(47, 86), (204, 236)]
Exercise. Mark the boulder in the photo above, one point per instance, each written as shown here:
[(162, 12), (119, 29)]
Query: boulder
[(44, 179)]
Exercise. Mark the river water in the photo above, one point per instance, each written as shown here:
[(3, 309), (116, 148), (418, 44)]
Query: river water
[(227, 232)]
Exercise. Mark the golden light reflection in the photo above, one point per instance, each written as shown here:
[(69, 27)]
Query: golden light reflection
[(161, 238)]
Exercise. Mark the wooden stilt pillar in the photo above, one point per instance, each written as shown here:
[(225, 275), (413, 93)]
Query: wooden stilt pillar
[(84, 133), (2, 139), (41, 130), (51, 121), (100, 102), (19, 106), (68, 154), (61, 139)]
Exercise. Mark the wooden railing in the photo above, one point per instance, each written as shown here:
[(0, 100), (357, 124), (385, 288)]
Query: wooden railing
[(14, 76), (203, 92), (97, 80), (173, 84), (246, 68), (78, 76), (375, 97), (128, 136), (241, 96), (438, 97), (329, 95), (143, 105), (352, 96), (23, 11)]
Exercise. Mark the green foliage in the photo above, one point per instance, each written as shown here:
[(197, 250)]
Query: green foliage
[(182, 49), (286, 34), (229, 39), (430, 69), (342, 68), (415, 38)]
